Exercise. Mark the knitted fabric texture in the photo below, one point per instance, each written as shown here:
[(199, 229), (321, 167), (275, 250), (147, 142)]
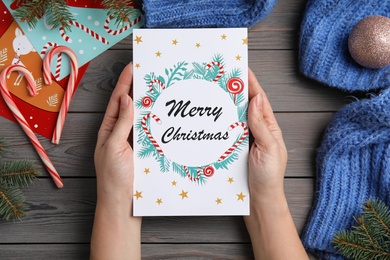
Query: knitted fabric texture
[(353, 165), (202, 13), (324, 53)]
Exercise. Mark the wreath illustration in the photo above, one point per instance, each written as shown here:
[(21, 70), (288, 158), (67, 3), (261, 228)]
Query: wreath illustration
[(212, 71)]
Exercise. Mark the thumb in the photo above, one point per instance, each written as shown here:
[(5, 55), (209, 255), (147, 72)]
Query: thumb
[(124, 123), (257, 124)]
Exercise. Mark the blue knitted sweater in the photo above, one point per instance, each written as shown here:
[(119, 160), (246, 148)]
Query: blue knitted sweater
[(323, 49), (205, 13), (353, 165)]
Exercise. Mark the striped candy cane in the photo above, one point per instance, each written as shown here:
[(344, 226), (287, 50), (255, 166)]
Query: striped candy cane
[(22, 121), (85, 29), (153, 81), (146, 130), (59, 58), (69, 90), (119, 31), (220, 72), (232, 148), (189, 175)]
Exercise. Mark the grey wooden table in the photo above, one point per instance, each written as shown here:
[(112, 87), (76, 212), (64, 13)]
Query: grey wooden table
[(59, 222)]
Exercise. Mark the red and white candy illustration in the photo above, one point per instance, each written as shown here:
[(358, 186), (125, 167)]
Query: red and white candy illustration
[(154, 81), (147, 101), (234, 146), (22, 121), (69, 90), (147, 132), (119, 31), (189, 175), (235, 86), (220, 71), (208, 171)]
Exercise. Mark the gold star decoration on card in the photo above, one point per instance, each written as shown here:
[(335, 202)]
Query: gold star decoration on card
[(174, 42), (245, 41), (138, 194), (218, 201), (146, 170), (197, 45), (223, 37), (174, 183), (240, 196), (137, 65), (230, 180), (138, 39), (238, 57), (159, 201), (183, 194), (158, 54)]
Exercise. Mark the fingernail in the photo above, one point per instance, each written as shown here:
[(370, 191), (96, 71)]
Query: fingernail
[(259, 101)]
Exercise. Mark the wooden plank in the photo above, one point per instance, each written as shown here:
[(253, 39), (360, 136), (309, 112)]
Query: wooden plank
[(73, 157), (277, 72), (149, 251), (66, 216)]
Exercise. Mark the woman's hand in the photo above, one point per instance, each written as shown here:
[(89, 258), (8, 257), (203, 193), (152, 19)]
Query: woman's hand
[(116, 233), (270, 224)]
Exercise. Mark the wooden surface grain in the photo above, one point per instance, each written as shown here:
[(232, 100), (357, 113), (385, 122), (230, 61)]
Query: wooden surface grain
[(59, 222)]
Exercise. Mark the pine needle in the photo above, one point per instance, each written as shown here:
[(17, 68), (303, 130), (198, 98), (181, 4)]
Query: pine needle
[(121, 10)]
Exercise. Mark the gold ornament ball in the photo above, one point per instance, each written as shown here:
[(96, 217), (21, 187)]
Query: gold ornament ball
[(369, 42)]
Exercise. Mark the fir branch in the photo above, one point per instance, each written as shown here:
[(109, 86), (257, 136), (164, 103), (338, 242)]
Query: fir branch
[(121, 10), (19, 173), (31, 11), (178, 70), (58, 14), (370, 238), (11, 202)]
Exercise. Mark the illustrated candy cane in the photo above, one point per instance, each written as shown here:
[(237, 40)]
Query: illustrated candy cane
[(59, 58), (153, 81), (146, 130), (119, 31), (85, 29), (23, 122), (232, 148), (69, 90), (220, 72), (189, 175)]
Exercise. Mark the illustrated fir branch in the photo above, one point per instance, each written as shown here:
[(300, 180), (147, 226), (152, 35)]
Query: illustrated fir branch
[(11, 202), (3, 56), (177, 73), (121, 10), (370, 239)]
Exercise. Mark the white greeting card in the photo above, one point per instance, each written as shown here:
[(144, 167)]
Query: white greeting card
[(190, 128)]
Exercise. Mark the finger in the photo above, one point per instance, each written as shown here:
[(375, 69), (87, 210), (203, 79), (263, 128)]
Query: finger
[(123, 86), (124, 123), (268, 113), (257, 124)]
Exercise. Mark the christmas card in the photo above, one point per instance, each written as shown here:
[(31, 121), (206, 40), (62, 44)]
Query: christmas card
[(190, 129)]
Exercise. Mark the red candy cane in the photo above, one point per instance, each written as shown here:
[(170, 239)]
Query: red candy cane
[(220, 72), (189, 175), (146, 130), (85, 29), (69, 90), (23, 122), (153, 81), (232, 148), (115, 32), (59, 58)]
